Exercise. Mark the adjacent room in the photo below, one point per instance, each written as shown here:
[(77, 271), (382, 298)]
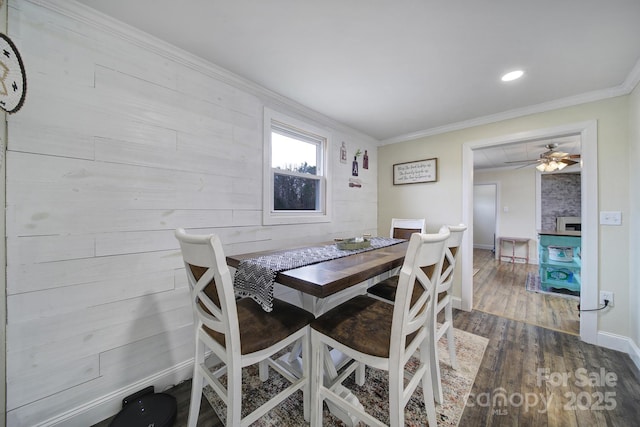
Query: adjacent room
[(303, 204), (514, 206)]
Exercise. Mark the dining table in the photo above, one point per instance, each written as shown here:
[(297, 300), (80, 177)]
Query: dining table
[(317, 283), (321, 284)]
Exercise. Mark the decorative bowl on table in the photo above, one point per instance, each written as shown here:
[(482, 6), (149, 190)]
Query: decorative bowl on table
[(353, 243)]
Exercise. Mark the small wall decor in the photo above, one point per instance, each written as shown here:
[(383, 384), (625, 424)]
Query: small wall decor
[(343, 153), (355, 183), (354, 165), (13, 80), (415, 172), (365, 160)]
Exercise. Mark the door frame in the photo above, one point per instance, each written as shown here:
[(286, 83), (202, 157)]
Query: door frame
[(588, 132)]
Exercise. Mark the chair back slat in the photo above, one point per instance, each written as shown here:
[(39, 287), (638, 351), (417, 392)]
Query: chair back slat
[(402, 228), (205, 297), (420, 296), (211, 291)]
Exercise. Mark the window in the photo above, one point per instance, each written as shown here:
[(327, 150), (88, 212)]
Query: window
[(296, 185)]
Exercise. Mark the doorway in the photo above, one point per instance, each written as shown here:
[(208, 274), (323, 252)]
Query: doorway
[(485, 202), (589, 185)]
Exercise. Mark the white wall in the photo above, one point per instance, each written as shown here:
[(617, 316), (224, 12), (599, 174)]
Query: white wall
[(441, 202), (3, 253), (121, 140), (634, 220)]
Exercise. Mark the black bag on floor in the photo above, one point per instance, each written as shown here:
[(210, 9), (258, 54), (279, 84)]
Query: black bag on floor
[(146, 408)]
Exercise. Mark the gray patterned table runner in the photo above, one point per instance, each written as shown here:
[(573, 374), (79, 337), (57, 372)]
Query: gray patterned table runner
[(255, 276)]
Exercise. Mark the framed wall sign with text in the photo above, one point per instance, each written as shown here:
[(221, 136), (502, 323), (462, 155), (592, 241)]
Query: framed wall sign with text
[(415, 172)]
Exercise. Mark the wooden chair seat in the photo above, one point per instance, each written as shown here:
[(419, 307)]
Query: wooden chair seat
[(362, 323), (260, 330)]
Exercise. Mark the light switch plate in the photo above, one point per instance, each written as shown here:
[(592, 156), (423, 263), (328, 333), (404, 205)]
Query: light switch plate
[(611, 218)]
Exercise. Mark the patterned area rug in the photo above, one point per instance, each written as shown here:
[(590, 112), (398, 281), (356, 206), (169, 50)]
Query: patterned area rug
[(456, 386), (533, 285)]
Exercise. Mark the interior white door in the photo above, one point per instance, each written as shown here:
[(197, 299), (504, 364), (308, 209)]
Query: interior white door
[(484, 216)]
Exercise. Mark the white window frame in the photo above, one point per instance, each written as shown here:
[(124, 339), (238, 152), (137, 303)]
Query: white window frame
[(269, 215)]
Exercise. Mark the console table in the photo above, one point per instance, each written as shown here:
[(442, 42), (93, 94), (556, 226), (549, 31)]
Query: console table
[(514, 241)]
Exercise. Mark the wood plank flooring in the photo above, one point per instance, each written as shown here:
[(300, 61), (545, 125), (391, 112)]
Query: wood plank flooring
[(527, 363), (499, 288), (534, 369), (530, 375)]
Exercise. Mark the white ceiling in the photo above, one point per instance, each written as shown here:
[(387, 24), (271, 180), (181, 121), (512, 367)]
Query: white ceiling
[(396, 69)]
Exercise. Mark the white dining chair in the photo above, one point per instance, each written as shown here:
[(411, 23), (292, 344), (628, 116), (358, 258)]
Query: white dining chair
[(384, 336), (386, 291), (403, 228), (239, 332)]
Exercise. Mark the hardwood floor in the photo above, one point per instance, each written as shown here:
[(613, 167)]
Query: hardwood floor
[(527, 363), (532, 374), (499, 288)]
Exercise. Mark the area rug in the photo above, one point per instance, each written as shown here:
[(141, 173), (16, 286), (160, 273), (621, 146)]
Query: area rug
[(532, 284), (456, 386)]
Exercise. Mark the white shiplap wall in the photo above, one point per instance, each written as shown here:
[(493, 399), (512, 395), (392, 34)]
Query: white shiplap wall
[(120, 141), (3, 275)]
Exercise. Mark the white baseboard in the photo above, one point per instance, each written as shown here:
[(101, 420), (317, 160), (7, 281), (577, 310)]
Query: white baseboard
[(613, 341), (477, 246), (634, 353), (620, 343), (456, 302), (110, 404)]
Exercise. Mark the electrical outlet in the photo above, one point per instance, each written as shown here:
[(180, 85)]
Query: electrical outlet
[(606, 295)]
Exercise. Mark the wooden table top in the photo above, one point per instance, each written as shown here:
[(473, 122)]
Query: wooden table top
[(328, 277)]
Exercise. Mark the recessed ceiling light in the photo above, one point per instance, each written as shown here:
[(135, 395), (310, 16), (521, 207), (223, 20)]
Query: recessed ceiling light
[(513, 75)]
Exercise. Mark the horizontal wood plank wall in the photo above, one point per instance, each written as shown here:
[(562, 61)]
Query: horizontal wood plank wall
[(3, 253), (117, 145)]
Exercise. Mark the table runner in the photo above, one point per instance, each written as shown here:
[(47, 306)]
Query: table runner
[(255, 276)]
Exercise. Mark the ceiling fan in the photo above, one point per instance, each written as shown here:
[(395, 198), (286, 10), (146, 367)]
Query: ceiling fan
[(551, 160)]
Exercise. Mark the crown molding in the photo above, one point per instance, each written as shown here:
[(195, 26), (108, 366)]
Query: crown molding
[(520, 112), (632, 79), (109, 25)]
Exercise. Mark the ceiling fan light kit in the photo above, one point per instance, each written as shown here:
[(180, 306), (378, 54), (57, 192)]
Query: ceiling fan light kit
[(551, 166), (551, 160)]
